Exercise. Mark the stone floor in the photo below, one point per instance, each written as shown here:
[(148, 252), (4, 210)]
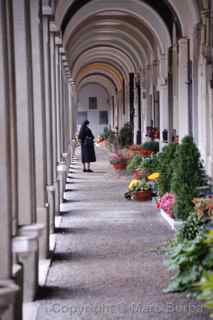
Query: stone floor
[(108, 262)]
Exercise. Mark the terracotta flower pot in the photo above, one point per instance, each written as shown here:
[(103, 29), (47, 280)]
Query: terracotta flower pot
[(146, 152), (142, 195), (119, 165)]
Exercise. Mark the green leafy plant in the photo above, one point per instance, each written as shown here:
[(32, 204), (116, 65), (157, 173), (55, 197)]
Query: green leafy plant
[(134, 163), (151, 163), (191, 227), (191, 258), (205, 286), (188, 173), (105, 134), (165, 167), (125, 137), (151, 145)]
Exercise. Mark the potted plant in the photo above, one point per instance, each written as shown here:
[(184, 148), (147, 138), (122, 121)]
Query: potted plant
[(134, 163), (118, 161), (188, 174), (149, 148), (140, 190), (125, 136)]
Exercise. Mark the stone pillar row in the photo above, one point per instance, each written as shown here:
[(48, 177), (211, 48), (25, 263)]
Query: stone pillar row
[(37, 126)]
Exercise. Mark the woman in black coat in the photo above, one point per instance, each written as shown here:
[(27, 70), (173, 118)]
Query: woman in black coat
[(87, 146)]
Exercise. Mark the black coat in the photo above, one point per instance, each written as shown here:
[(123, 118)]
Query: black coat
[(87, 145)]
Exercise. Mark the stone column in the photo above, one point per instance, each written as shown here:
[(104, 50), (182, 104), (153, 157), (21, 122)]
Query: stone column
[(5, 178), (53, 190), (58, 44), (144, 113), (61, 100), (131, 98), (183, 90), (74, 107), (39, 124), (164, 108), (8, 289), (139, 110), (70, 115), (49, 115), (164, 98), (25, 137), (24, 114)]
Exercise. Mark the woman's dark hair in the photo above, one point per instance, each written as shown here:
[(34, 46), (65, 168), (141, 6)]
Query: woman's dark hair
[(85, 123)]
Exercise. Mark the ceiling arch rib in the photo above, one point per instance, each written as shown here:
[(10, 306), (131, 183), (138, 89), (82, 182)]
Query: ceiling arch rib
[(102, 76), (101, 53), (121, 52), (98, 79), (66, 10), (100, 84), (100, 60), (133, 8), (104, 69), (115, 42), (132, 27)]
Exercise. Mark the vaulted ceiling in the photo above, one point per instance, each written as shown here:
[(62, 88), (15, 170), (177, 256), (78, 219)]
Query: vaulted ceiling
[(111, 38)]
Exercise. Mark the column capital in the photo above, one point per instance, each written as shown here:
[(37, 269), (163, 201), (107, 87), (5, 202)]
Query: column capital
[(183, 41), (62, 50), (53, 27), (47, 10), (58, 41)]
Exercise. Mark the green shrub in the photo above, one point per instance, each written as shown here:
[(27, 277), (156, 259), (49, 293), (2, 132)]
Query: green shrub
[(134, 163), (125, 137), (151, 145), (166, 158), (187, 175)]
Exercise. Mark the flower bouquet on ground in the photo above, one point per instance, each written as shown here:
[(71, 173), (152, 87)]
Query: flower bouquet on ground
[(100, 139), (118, 161)]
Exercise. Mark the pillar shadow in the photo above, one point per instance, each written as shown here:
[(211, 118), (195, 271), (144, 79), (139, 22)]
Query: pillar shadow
[(57, 292), (71, 230)]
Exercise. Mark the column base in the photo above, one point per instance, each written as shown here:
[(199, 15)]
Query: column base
[(52, 207), (43, 218), (61, 169), (8, 292), (26, 248), (18, 275)]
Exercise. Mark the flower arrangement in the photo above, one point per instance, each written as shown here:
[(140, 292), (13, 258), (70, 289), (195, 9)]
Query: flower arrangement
[(117, 158), (167, 202), (154, 176), (100, 139), (138, 185), (203, 207)]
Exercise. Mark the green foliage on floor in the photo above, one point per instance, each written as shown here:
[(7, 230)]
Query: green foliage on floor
[(205, 287), (191, 259)]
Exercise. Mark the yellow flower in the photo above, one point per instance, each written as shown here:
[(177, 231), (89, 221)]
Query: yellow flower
[(133, 183), (154, 176)]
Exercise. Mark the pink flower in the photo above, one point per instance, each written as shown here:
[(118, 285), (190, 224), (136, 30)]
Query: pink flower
[(167, 202)]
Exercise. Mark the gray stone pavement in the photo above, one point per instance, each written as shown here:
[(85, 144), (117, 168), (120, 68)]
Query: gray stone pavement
[(108, 262)]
